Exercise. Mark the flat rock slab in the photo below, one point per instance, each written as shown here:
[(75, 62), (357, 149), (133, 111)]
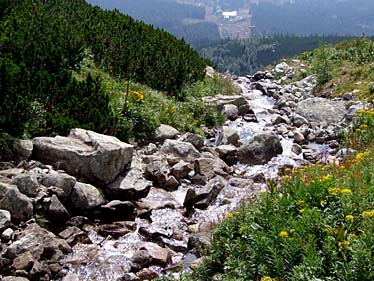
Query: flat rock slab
[(321, 109), (95, 157)]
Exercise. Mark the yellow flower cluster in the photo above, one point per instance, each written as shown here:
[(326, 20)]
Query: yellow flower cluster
[(349, 218), (344, 244), (336, 190), (365, 112), (139, 96), (327, 178), (368, 214), (283, 234), (361, 156), (267, 278)]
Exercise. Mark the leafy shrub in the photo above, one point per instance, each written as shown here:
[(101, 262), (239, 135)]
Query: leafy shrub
[(7, 146)]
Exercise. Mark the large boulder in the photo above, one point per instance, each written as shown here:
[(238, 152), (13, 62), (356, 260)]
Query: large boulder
[(63, 182), (164, 132), (27, 184), (220, 101), (4, 219), (209, 167), (85, 197), (322, 110), (183, 150), (19, 205), (260, 149), (95, 157), (41, 243)]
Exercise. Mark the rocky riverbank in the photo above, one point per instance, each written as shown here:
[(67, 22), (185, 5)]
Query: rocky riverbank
[(90, 207)]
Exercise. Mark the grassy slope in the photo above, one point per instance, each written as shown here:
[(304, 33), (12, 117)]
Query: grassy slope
[(316, 223)]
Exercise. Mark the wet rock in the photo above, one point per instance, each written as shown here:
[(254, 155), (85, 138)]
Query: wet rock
[(230, 136), (298, 120), (209, 192), (115, 230), (182, 169), (92, 156), (260, 149), (177, 246), (321, 109), (158, 171), (196, 140), (199, 179), (77, 221), (63, 181), (297, 149), (278, 119), (85, 197), (160, 256), (219, 101), (74, 235), (39, 242), (118, 210), (164, 132), (147, 274), (57, 212), (23, 262), (140, 259), (5, 219), (14, 278), (298, 137), (18, 204), (158, 199), (198, 241), (129, 186), (209, 167), (40, 271), (231, 111), (228, 153), (171, 183), (153, 231), (183, 150)]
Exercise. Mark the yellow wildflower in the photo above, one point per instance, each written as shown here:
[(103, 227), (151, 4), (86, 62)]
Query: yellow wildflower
[(364, 127), (237, 213), (352, 236), (283, 234), (300, 203), (358, 130), (368, 214), (334, 190), (323, 203), (139, 96), (344, 244), (241, 230), (301, 211), (327, 177), (266, 278), (349, 217), (228, 216), (346, 191)]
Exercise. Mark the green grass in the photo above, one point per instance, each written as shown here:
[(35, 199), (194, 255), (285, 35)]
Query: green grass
[(315, 223)]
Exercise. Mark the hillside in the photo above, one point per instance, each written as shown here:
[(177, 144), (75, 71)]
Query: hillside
[(43, 43)]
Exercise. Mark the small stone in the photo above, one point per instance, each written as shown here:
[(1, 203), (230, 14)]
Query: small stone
[(7, 234), (5, 219), (297, 149)]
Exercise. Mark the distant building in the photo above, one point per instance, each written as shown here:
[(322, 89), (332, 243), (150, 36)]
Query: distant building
[(229, 15)]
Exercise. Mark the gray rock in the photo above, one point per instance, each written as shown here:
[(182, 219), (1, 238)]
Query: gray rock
[(23, 150), (298, 137), (23, 262), (182, 169), (260, 149), (85, 197), (27, 184), (18, 204), (209, 167), (14, 278), (86, 154), (140, 259), (231, 111), (129, 186), (73, 235), (230, 136), (320, 109), (160, 256), (118, 210), (196, 140), (39, 242), (183, 150), (164, 132), (299, 120), (297, 149), (228, 153), (7, 234), (278, 119), (57, 212), (219, 101), (5, 219), (60, 180)]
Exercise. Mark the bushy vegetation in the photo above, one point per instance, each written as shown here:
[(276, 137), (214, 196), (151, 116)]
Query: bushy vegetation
[(344, 67), (246, 56), (316, 223), (42, 45)]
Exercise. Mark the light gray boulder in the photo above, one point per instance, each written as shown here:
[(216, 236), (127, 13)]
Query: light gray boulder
[(5, 219), (164, 132), (231, 111), (27, 184), (19, 205), (95, 157), (85, 197), (182, 150), (60, 180), (230, 136)]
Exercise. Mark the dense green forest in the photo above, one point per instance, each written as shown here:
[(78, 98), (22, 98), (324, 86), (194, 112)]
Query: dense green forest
[(314, 16), (245, 56), (43, 42), (182, 20)]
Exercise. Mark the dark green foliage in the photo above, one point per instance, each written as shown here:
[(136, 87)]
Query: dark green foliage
[(246, 56), (42, 42)]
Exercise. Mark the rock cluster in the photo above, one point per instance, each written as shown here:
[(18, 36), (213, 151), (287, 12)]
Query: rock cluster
[(90, 204)]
